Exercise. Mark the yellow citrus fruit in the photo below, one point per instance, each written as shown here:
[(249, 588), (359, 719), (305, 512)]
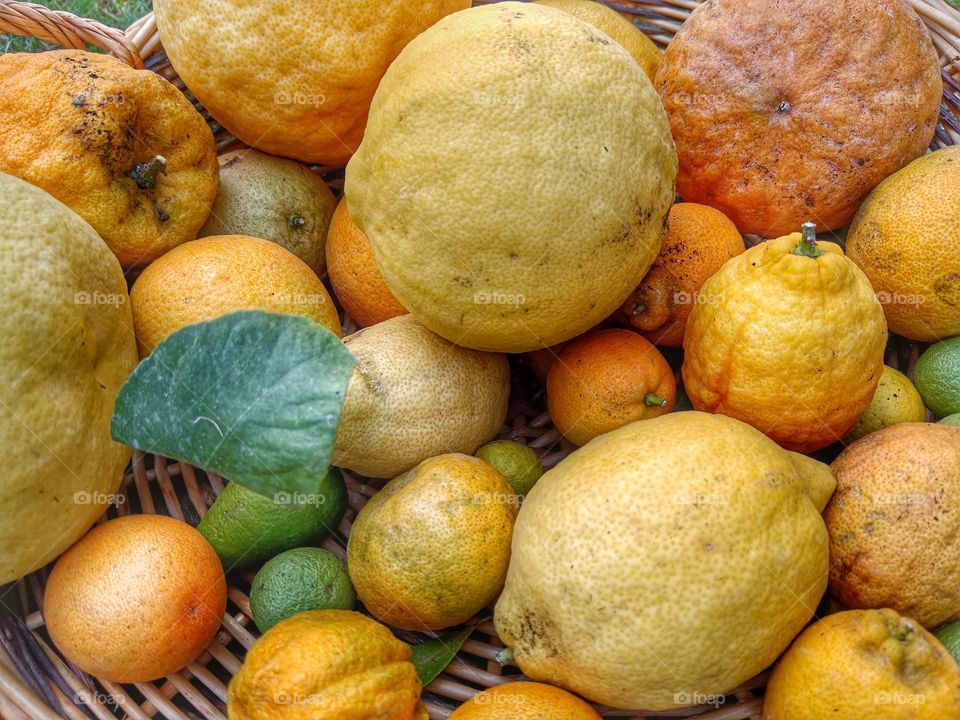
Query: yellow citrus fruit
[(686, 525), (354, 274), (699, 241), (87, 127), (67, 349), (894, 539), (310, 101), (788, 337), (470, 181), (895, 401), (525, 701), (605, 380), (903, 238), (864, 665), (275, 199), (414, 395), (326, 665), (430, 550), (137, 598), (619, 28), (213, 276)]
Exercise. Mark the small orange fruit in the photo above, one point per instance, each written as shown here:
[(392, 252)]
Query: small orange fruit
[(136, 598), (605, 380), (204, 279), (699, 241), (525, 701), (354, 274)]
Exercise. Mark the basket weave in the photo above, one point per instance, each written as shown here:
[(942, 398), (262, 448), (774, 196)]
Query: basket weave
[(37, 683)]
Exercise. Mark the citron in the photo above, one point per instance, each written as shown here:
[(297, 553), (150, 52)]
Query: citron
[(699, 241), (310, 101), (619, 28), (68, 348), (894, 538), (525, 701), (864, 665), (430, 550), (788, 337), (354, 274), (605, 380), (275, 199), (414, 395), (507, 210), (904, 239), (685, 526), (326, 665), (136, 599), (896, 400), (123, 148), (213, 276)]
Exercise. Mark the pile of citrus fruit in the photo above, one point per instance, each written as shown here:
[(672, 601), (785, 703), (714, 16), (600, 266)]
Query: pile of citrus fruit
[(695, 257)]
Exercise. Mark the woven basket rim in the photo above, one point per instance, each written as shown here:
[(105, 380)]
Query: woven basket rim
[(54, 683)]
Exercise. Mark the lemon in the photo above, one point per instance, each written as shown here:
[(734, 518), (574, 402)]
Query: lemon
[(301, 579), (518, 463), (895, 401), (514, 176), (937, 376)]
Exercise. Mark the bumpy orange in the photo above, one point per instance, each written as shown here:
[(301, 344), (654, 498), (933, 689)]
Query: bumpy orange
[(605, 380), (699, 241), (788, 337), (326, 665), (136, 598), (213, 276), (310, 100), (354, 274), (525, 701), (84, 127)]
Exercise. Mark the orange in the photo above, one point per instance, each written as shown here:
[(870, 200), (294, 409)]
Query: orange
[(699, 241), (788, 337), (525, 701), (136, 598), (605, 380), (354, 274), (777, 123), (216, 275), (293, 79), (326, 665), (86, 128), (904, 237)]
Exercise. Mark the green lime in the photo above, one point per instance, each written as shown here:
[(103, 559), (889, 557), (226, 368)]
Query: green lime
[(296, 580), (246, 528), (951, 419), (517, 463), (949, 635), (937, 377)]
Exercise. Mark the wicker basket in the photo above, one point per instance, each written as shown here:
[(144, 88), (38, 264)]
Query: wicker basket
[(37, 683)]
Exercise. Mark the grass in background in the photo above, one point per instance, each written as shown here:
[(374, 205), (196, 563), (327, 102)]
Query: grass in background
[(116, 13)]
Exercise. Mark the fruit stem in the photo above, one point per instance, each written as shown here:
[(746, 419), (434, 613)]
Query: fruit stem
[(808, 243), (654, 400), (505, 656), (145, 174), (296, 221)]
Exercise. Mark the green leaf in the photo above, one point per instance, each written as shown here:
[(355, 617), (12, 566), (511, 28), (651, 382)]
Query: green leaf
[(253, 396), (432, 656)]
